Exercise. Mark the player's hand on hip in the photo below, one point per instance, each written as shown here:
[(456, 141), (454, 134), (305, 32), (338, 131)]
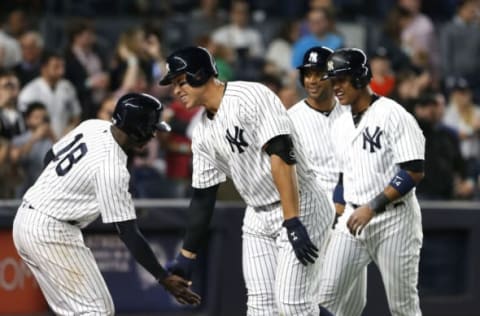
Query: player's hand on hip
[(359, 219), (181, 266), (305, 250), (179, 288)]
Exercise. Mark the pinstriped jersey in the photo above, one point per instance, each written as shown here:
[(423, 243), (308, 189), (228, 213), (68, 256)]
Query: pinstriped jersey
[(369, 154), (314, 129), (231, 143), (88, 177)]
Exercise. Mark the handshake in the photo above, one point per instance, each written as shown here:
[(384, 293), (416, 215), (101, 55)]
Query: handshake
[(178, 281)]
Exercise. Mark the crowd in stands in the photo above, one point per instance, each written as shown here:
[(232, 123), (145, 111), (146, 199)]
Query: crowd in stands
[(422, 55)]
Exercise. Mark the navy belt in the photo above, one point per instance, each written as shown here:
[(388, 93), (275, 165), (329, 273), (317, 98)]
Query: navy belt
[(395, 204)]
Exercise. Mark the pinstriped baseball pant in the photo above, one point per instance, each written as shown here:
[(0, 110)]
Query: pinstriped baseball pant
[(277, 283), (392, 240), (63, 266)]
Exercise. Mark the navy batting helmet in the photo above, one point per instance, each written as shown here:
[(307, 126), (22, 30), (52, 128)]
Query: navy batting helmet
[(315, 57), (351, 62), (196, 62), (138, 115)]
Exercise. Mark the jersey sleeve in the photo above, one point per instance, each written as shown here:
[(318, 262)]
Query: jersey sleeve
[(205, 172), (269, 114), (111, 185), (405, 137)]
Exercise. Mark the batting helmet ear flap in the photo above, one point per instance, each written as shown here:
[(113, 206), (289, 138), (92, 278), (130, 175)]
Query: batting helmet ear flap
[(361, 77)]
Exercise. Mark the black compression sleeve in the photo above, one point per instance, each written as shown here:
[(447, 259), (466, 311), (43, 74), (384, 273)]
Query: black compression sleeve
[(199, 215), (413, 165), (139, 247)]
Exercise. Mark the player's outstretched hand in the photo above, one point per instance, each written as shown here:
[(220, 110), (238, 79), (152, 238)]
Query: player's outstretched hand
[(179, 288), (181, 266), (304, 249), (359, 219)]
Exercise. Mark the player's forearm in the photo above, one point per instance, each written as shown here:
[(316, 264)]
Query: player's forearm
[(140, 249), (285, 179), (394, 191), (199, 216)]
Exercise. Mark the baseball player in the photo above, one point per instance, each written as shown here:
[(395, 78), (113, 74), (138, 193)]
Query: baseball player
[(86, 176), (380, 149), (313, 118), (245, 133)]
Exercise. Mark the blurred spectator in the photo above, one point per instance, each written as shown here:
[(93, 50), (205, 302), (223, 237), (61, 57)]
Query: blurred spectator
[(31, 44), (206, 18), (418, 36), (279, 51), (224, 57), (464, 116), (6, 187), (460, 44), (17, 23), (28, 149), (445, 170), (390, 38), (55, 92), (244, 40), (289, 96), (320, 23), (105, 112), (406, 90), (137, 52), (147, 171), (272, 81), (410, 84), (10, 52), (11, 120), (178, 153), (383, 78), (84, 67)]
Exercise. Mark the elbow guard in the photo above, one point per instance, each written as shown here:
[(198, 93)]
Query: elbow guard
[(282, 146)]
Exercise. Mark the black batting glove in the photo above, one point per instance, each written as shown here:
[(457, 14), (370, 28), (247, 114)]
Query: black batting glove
[(305, 250)]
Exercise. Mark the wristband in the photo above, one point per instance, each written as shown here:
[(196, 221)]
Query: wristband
[(378, 203), (402, 182)]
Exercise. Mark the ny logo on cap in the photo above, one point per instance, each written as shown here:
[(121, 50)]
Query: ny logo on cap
[(330, 65), (313, 57)]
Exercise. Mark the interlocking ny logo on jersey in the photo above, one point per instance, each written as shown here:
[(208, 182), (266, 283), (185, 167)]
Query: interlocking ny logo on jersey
[(373, 140), (237, 140)]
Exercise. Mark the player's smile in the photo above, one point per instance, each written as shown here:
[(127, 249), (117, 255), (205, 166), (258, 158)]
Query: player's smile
[(340, 88)]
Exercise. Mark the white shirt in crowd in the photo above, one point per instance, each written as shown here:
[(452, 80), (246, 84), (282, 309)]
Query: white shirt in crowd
[(62, 103)]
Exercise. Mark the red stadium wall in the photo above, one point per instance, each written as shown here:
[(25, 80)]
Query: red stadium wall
[(19, 292)]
